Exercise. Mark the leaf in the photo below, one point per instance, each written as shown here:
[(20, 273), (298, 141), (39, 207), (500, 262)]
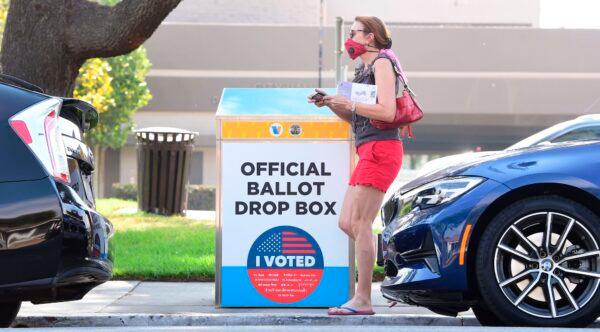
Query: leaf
[(117, 88)]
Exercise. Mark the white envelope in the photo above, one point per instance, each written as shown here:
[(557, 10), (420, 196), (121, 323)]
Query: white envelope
[(358, 92)]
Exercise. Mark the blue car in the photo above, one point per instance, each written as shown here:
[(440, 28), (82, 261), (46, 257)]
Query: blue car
[(514, 235)]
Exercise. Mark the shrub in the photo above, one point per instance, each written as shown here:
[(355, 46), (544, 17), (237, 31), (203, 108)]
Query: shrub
[(125, 191), (201, 197)]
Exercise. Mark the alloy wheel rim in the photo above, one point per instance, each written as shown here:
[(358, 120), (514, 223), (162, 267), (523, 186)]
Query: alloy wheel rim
[(547, 264)]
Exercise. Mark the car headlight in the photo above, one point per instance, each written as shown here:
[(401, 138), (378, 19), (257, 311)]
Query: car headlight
[(441, 191), (426, 196)]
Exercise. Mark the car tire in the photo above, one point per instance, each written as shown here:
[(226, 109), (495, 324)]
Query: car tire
[(484, 316), (8, 312), (525, 279)]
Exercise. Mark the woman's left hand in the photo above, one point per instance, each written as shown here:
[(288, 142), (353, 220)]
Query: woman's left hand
[(337, 102)]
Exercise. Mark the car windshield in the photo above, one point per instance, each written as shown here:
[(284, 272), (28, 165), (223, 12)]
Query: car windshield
[(540, 136)]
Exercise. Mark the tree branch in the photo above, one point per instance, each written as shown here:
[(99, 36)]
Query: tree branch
[(95, 30)]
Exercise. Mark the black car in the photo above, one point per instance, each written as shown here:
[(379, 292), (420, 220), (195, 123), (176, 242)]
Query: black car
[(53, 243)]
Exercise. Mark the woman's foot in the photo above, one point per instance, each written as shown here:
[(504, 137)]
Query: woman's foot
[(353, 307)]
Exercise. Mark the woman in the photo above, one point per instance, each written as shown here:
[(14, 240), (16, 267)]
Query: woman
[(380, 151)]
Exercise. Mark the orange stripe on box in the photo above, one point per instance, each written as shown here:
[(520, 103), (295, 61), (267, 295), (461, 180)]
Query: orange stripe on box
[(289, 130), (463, 244)]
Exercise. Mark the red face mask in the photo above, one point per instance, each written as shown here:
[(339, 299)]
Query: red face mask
[(354, 49)]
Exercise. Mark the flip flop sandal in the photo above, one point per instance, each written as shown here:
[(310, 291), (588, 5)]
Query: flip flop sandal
[(350, 312)]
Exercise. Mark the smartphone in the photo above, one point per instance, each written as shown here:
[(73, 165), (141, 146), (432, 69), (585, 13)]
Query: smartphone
[(318, 95), (321, 92)]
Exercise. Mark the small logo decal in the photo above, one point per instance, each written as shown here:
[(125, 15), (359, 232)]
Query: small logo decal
[(276, 129), (295, 130)]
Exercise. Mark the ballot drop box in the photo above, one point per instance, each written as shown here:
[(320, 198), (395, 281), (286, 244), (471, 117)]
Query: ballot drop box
[(283, 168)]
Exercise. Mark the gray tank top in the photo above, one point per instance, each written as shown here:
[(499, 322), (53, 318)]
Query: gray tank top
[(361, 126)]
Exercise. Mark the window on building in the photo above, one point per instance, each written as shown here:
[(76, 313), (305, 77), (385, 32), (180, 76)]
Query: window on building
[(196, 168)]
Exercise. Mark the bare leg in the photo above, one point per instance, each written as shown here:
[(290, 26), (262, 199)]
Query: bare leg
[(365, 202), (362, 226), (345, 221)]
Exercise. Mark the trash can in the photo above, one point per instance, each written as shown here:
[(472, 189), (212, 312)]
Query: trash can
[(163, 158)]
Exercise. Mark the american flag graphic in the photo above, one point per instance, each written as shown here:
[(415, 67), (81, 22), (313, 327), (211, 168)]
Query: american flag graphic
[(285, 264), (286, 243)]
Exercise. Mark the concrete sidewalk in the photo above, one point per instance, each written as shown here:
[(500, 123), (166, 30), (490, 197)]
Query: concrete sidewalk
[(135, 303)]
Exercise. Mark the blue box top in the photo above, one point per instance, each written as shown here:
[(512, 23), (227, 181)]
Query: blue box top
[(270, 102)]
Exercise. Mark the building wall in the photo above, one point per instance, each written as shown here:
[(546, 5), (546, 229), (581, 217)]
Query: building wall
[(479, 86), (289, 12), (128, 172), (128, 165), (306, 12), (210, 167), (512, 79), (438, 12), (203, 123)]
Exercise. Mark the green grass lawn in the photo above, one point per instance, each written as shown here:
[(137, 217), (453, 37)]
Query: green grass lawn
[(153, 247)]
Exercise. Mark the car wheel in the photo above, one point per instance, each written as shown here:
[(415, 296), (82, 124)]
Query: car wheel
[(485, 316), (538, 263), (8, 312)]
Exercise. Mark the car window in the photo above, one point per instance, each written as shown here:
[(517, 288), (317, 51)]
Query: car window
[(580, 134), (540, 136)]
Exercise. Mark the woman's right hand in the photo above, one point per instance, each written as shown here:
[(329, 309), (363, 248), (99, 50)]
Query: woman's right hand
[(319, 103)]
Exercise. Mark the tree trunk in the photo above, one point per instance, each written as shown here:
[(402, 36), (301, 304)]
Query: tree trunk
[(46, 41)]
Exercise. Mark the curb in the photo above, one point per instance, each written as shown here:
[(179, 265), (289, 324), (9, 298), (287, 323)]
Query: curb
[(106, 320)]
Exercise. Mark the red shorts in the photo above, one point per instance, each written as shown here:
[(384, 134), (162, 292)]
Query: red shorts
[(378, 165)]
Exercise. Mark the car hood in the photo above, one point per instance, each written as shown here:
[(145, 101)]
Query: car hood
[(444, 162), (467, 162)]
